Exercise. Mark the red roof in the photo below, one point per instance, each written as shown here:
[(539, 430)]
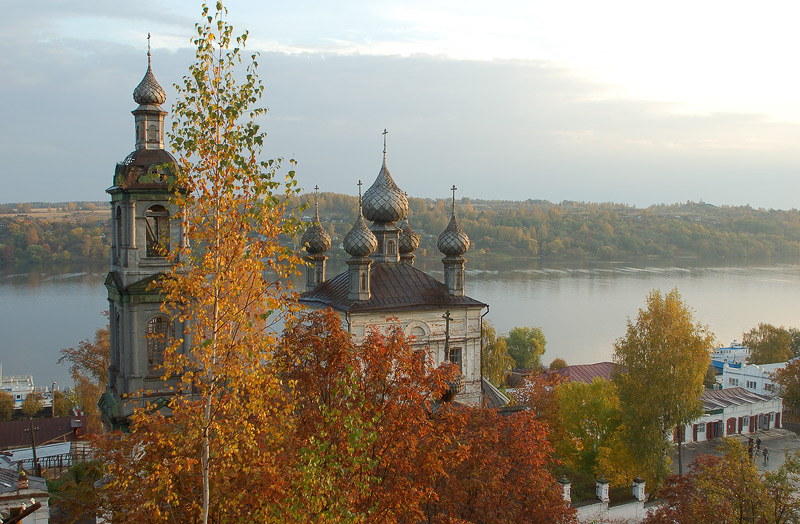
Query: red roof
[(587, 372), (722, 398)]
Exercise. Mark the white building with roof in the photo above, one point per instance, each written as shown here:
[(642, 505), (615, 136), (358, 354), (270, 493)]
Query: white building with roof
[(753, 377), (382, 287), (733, 411)]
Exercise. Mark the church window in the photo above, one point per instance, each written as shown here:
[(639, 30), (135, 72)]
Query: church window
[(152, 133), (159, 333), (157, 219), (118, 338), (458, 279), (118, 224), (363, 281), (390, 247), (455, 357)]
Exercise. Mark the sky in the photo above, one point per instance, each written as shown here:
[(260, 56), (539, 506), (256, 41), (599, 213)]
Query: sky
[(623, 101)]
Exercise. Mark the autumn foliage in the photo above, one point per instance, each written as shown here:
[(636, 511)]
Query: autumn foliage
[(730, 489), (354, 434)]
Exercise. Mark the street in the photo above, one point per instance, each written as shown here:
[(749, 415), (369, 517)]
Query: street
[(778, 441)]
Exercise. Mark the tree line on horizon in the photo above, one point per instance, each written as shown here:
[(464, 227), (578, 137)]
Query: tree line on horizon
[(533, 228)]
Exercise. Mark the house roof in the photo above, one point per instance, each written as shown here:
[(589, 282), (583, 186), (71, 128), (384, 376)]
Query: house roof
[(722, 398), (494, 397), (393, 286), (587, 372)]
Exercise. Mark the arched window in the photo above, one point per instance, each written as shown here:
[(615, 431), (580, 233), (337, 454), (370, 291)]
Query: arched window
[(390, 247), (118, 229), (157, 218), (159, 335)]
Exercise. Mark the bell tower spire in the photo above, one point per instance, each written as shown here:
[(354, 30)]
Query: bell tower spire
[(149, 117)]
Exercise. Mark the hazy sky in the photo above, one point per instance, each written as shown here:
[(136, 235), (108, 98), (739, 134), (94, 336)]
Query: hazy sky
[(625, 101)]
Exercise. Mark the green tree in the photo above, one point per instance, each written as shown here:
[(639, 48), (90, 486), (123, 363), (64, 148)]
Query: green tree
[(768, 344), (558, 363), (33, 404), (62, 405), (6, 405), (590, 415), (665, 356), (496, 360), (526, 346)]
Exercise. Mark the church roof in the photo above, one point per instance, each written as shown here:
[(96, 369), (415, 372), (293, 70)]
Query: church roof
[(394, 286)]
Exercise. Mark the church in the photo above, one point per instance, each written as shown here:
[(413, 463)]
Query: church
[(142, 236), (381, 285)]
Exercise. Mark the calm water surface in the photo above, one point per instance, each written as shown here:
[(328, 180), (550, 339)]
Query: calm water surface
[(582, 308)]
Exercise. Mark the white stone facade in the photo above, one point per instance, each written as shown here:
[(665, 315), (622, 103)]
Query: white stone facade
[(427, 327)]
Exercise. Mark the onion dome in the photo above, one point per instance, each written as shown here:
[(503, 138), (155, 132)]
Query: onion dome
[(316, 240), (360, 241), (383, 201), (149, 91), (453, 242), (409, 239)]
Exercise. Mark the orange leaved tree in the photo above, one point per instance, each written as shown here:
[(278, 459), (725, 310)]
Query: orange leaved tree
[(212, 453), (372, 442)]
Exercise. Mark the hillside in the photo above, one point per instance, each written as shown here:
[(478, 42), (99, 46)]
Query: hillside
[(46, 233)]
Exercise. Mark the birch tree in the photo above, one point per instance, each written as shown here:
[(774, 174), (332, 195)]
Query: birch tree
[(665, 354), (213, 457)]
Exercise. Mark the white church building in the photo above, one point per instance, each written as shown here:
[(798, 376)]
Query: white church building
[(381, 285)]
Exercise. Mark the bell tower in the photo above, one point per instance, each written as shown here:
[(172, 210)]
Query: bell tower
[(144, 233)]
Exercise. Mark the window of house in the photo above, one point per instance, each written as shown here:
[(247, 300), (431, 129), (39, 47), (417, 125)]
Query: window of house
[(733, 381), (455, 357), (746, 421), (157, 221), (701, 428), (769, 387), (159, 333)]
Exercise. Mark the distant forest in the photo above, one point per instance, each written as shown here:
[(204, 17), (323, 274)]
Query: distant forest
[(41, 233), (581, 230)]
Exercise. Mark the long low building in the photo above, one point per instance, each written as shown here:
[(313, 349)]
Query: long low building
[(733, 411), (727, 411)]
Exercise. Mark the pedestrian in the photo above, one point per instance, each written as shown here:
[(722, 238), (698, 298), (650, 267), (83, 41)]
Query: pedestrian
[(766, 455)]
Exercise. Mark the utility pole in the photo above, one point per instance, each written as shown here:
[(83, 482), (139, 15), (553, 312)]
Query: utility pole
[(32, 430)]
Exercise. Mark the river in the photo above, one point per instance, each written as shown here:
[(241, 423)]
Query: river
[(582, 308)]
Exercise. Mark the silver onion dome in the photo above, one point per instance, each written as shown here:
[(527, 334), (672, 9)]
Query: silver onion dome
[(316, 240), (149, 91), (360, 241), (383, 201), (453, 242), (409, 239)]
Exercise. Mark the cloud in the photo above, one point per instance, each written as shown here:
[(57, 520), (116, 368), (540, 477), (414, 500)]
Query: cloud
[(507, 129)]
